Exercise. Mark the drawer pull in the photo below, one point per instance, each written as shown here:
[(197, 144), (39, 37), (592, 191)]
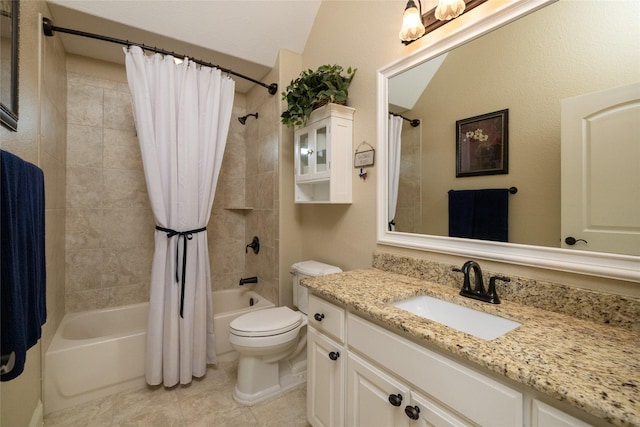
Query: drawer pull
[(395, 399), (412, 412), (318, 317), (334, 355)]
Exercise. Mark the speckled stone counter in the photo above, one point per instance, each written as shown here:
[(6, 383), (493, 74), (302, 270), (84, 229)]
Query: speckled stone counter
[(590, 366)]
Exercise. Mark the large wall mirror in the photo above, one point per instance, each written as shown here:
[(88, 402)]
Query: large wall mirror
[(535, 59), (9, 62)]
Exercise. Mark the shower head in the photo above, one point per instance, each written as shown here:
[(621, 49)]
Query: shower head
[(243, 119)]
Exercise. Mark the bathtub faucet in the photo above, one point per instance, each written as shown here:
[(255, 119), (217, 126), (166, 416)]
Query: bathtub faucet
[(244, 281)]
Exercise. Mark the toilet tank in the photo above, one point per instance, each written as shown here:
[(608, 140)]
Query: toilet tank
[(303, 269)]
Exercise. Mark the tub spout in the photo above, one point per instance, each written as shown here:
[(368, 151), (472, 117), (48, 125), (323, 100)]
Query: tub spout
[(244, 281)]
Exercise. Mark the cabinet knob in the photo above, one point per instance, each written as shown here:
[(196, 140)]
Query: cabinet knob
[(318, 317), (395, 399), (334, 355), (412, 412)]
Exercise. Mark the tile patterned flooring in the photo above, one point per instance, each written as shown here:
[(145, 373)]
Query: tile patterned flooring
[(206, 402)]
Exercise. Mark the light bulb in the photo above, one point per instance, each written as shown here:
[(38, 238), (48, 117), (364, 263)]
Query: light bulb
[(449, 9), (412, 26)]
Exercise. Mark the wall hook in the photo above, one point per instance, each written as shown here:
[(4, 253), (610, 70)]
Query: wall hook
[(255, 245)]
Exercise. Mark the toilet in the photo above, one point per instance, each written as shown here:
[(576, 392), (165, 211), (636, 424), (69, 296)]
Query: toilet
[(271, 343)]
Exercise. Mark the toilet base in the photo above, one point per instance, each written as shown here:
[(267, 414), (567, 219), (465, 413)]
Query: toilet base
[(285, 375)]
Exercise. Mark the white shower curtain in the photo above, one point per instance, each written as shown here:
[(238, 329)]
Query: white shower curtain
[(395, 132), (182, 113)]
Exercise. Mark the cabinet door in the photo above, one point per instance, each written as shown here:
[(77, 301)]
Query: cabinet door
[(303, 157), (544, 415), (313, 151), (325, 381), (431, 414), (373, 397)]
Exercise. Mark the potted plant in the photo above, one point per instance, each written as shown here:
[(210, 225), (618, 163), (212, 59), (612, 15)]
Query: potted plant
[(313, 89)]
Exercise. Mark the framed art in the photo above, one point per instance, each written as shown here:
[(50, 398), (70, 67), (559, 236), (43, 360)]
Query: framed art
[(482, 144)]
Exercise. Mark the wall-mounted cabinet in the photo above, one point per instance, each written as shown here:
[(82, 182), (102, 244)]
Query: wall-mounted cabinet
[(323, 167)]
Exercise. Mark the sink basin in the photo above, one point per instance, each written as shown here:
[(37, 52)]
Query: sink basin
[(473, 322)]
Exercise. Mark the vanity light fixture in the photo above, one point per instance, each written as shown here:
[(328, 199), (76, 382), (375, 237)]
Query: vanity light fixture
[(449, 9), (415, 25), (412, 25)]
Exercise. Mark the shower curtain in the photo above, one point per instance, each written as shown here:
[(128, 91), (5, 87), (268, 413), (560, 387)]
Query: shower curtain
[(182, 113), (395, 132)]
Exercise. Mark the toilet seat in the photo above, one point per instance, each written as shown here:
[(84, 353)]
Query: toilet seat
[(267, 322)]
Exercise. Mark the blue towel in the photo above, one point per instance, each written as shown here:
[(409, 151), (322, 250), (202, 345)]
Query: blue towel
[(479, 214), (23, 273)]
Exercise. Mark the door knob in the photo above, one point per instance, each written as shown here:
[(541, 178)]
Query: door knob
[(334, 355), (572, 241)]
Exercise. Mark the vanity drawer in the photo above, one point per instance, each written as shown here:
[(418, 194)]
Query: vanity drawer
[(469, 393), (326, 318)]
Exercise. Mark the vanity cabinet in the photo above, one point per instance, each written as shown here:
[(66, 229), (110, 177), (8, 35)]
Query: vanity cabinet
[(322, 164), (361, 374)]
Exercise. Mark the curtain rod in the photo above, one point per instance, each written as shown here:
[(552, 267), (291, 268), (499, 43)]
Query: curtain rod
[(48, 28), (413, 122)]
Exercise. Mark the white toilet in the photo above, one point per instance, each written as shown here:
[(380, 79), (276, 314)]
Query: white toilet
[(271, 343)]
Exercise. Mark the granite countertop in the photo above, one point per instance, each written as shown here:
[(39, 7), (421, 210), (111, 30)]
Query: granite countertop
[(593, 367)]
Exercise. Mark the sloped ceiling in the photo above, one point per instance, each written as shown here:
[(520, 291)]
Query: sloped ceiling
[(242, 35)]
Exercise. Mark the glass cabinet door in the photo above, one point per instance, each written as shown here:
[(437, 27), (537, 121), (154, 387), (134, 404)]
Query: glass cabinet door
[(312, 152), (303, 154), (321, 150)]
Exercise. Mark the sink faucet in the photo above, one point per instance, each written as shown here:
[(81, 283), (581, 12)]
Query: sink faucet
[(478, 292), (477, 272)]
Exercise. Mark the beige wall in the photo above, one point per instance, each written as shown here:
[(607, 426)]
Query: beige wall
[(365, 35), (41, 139), (289, 224)]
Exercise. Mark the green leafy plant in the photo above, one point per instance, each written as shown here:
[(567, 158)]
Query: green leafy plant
[(312, 89)]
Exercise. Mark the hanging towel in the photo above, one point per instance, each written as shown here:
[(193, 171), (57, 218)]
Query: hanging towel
[(479, 214), (23, 273)]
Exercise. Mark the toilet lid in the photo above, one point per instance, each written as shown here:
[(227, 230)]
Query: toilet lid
[(270, 321)]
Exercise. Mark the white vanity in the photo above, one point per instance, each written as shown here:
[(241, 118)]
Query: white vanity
[(372, 364)]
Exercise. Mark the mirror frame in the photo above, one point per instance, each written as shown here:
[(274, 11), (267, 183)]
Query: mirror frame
[(599, 264), (9, 113)]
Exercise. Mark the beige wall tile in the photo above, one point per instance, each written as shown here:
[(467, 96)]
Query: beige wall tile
[(124, 188), (83, 228), (84, 187), (121, 150), (85, 105), (84, 146), (117, 110)]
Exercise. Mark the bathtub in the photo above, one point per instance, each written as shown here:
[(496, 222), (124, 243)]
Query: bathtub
[(97, 353)]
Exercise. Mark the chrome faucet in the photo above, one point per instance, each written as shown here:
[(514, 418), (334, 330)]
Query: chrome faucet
[(478, 292)]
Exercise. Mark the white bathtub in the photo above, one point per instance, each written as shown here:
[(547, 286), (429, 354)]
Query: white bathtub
[(97, 353)]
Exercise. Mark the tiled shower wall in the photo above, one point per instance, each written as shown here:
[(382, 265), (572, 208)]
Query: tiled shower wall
[(262, 190), (109, 236), (409, 208)]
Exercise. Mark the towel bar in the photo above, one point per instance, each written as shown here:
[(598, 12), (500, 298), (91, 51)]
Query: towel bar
[(512, 190)]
